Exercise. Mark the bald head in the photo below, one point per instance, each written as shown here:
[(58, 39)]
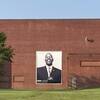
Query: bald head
[(49, 59)]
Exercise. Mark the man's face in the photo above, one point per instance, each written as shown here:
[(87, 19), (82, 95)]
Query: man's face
[(48, 59)]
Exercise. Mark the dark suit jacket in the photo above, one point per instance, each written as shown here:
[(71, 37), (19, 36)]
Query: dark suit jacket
[(42, 75)]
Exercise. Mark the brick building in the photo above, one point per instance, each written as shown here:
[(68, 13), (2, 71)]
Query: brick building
[(78, 39)]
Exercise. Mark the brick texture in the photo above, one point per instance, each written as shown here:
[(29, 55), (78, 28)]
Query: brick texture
[(78, 39)]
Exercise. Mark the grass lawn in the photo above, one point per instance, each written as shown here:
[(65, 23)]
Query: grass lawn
[(86, 94)]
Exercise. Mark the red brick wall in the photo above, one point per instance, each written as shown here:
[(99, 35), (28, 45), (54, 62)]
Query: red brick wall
[(68, 36), (86, 75)]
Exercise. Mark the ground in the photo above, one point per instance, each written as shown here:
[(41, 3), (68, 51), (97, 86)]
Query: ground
[(86, 94)]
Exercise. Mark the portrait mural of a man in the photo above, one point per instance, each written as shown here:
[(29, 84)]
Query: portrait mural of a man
[(49, 72)]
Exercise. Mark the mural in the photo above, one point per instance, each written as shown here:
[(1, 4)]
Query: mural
[(49, 66)]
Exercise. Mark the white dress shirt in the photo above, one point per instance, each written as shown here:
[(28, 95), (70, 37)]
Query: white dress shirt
[(49, 70)]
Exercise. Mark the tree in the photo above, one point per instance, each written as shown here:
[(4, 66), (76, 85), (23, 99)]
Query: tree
[(6, 52)]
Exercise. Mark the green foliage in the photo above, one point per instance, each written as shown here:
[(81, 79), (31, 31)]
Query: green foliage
[(6, 52), (2, 39)]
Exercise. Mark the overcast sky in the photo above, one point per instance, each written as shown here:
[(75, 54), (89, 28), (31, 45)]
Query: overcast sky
[(49, 9)]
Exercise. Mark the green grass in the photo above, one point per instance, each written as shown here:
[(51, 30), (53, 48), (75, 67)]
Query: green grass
[(86, 94)]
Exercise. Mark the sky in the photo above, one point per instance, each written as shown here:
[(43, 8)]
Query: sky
[(49, 9)]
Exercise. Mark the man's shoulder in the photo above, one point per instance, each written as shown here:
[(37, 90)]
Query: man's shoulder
[(56, 69), (40, 68)]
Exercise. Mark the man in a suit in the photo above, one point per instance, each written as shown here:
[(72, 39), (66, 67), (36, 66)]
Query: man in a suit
[(48, 73)]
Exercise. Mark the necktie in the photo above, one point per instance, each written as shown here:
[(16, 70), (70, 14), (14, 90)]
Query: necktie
[(49, 76), (49, 71)]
